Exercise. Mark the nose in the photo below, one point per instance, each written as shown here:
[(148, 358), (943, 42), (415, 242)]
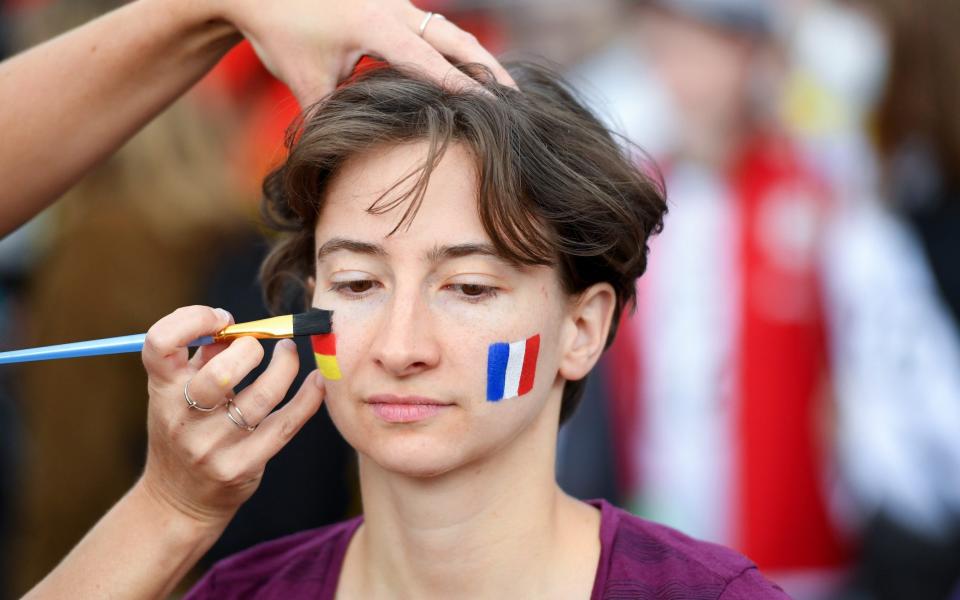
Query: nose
[(406, 344)]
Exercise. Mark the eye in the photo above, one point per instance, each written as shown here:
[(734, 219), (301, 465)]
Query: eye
[(357, 288), (473, 289), (473, 292)]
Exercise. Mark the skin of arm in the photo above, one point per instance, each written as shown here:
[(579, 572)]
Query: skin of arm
[(133, 62), (71, 102)]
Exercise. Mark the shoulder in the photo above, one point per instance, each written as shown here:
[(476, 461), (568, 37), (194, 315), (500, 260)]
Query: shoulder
[(643, 559), (306, 564)]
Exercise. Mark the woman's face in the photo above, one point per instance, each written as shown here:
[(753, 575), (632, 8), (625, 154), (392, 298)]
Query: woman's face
[(415, 313)]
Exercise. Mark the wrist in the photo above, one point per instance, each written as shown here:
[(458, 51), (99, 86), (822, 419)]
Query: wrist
[(202, 25), (189, 523), (222, 12)]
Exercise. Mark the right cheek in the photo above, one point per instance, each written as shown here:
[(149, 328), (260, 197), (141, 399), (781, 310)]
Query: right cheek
[(355, 324), (350, 314), (341, 415)]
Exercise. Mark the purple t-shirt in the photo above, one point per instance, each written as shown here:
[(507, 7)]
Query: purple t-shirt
[(638, 559)]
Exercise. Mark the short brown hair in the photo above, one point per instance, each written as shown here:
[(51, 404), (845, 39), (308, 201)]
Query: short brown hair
[(554, 186)]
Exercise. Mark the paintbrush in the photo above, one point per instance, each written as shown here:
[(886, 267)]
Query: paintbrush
[(315, 321)]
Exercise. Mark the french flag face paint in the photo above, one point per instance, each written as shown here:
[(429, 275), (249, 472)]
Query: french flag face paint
[(325, 353), (511, 368)]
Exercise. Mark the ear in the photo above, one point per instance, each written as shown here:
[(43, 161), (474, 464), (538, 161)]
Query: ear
[(589, 325)]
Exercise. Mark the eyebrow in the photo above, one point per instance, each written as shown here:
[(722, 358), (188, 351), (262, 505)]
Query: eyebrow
[(442, 253), (345, 245), (435, 255)]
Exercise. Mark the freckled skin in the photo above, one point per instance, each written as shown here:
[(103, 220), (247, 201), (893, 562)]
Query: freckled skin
[(413, 333)]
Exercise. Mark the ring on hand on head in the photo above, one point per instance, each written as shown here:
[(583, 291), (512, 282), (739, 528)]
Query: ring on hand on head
[(426, 21)]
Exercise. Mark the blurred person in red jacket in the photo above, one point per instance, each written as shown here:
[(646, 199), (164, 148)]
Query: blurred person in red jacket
[(719, 382)]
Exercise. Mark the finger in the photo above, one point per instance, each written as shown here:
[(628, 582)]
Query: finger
[(311, 86), (204, 353), (463, 47), (404, 46), (260, 397), (165, 347), (279, 427), (313, 83), (214, 383)]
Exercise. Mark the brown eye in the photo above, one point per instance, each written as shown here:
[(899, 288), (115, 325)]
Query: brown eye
[(472, 289), (360, 286)]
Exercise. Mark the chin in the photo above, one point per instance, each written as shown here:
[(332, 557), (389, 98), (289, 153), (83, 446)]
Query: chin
[(423, 469), (415, 453)]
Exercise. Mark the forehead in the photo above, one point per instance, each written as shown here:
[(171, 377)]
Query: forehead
[(448, 213)]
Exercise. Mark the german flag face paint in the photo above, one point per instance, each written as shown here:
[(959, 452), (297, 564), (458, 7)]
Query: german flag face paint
[(325, 353), (511, 368)]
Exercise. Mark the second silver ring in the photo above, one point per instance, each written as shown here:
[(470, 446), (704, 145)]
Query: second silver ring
[(236, 415)]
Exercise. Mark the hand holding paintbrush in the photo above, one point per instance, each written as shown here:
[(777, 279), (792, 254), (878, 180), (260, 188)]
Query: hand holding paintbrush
[(202, 465), (315, 321)]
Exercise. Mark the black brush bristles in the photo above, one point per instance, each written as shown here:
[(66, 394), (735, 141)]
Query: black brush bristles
[(315, 321)]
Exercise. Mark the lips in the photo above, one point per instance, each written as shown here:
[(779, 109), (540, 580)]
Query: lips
[(405, 409), (392, 399)]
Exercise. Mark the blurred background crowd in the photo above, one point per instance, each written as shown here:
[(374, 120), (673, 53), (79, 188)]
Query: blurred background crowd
[(789, 384)]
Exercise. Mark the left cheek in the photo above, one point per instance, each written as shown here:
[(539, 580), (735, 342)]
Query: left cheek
[(512, 367), (499, 350)]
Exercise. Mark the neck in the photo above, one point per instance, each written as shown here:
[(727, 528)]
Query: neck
[(475, 532)]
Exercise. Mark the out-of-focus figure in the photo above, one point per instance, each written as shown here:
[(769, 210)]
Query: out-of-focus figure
[(720, 384), (894, 290)]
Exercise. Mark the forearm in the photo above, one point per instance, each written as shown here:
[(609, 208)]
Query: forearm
[(139, 549), (72, 101)]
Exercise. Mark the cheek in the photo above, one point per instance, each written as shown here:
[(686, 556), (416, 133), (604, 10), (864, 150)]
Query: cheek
[(493, 354), (352, 325), (511, 368)]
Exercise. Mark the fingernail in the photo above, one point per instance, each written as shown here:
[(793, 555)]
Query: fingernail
[(286, 344), (224, 315)]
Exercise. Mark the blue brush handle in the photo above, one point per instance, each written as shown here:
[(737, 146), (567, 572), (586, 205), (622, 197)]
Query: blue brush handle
[(114, 345)]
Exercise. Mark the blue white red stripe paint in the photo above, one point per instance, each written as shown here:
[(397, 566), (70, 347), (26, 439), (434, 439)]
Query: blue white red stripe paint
[(511, 368)]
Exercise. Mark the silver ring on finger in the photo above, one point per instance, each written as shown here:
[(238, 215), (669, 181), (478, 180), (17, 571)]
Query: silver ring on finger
[(193, 403), (426, 21), (236, 415)]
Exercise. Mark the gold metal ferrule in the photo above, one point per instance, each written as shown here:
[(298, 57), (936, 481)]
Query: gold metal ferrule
[(272, 328)]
